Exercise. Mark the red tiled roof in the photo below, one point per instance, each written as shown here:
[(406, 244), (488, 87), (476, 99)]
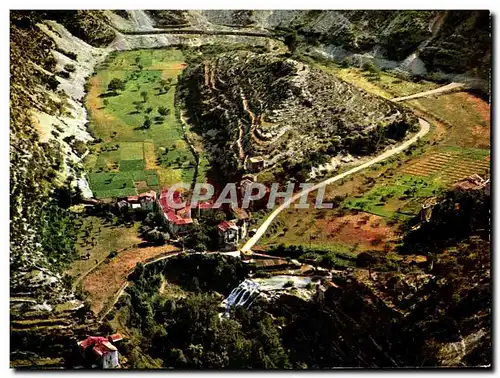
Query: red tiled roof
[(150, 194), (104, 348), (115, 337), (91, 340), (205, 205), (202, 205), (176, 216), (226, 225), (132, 198)]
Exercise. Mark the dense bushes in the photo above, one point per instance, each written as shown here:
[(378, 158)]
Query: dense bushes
[(458, 215), (57, 234), (195, 272), (325, 258), (188, 333)]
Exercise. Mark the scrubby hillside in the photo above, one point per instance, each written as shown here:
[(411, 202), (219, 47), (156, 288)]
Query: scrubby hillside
[(248, 104), (42, 186)]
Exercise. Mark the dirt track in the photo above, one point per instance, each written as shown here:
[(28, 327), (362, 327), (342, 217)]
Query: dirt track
[(424, 129), (452, 87), (103, 282)]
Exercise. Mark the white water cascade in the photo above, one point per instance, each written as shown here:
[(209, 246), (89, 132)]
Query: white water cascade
[(242, 295)]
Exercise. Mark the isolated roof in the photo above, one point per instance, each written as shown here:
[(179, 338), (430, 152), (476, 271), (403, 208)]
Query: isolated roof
[(256, 159), (91, 340), (226, 225), (115, 337), (101, 345), (202, 205)]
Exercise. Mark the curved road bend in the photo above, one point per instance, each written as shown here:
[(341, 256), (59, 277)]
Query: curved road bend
[(424, 129)]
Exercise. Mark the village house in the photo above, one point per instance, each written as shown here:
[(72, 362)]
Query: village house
[(202, 208), (101, 350), (241, 220), (178, 221), (247, 185), (255, 164), (228, 234), (144, 201), (133, 202), (147, 200)]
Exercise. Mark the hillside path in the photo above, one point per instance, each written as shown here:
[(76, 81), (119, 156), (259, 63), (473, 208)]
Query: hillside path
[(424, 129), (452, 87)]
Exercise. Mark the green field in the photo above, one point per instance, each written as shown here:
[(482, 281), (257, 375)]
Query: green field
[(402, 195), (131, 157)]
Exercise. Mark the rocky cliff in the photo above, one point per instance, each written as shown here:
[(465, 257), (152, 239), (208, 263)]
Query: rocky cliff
[(450, 45)]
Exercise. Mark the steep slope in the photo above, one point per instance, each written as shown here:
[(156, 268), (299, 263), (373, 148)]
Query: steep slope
[(250, 105), (47, 141)]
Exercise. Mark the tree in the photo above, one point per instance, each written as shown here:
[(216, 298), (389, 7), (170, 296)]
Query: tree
[(144, 96), (165, 85), (292, 41), (116, 85), (147, 123), (162, 110), (149, 109)]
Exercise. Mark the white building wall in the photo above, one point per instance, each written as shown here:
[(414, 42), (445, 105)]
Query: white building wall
[(110, 360)]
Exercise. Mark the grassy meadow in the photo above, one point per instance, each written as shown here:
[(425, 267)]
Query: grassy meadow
[(140, 142)]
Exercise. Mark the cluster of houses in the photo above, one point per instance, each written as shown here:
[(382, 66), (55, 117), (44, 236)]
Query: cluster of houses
[(179, 221)]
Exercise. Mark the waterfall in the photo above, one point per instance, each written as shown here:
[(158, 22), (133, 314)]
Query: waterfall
[(242, 295)]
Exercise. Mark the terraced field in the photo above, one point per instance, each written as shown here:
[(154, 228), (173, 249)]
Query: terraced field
[(140, 143), (451, 166)]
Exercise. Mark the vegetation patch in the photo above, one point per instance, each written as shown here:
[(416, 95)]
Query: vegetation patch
[(131, 165), (132, 106), (467, 116), (105, 281), (97, 239), (401, 197)]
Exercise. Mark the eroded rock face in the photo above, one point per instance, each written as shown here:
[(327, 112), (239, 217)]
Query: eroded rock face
[(248, 104), (441, 42)]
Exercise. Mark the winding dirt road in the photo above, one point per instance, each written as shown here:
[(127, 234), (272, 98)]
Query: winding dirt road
[(424, 129)]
